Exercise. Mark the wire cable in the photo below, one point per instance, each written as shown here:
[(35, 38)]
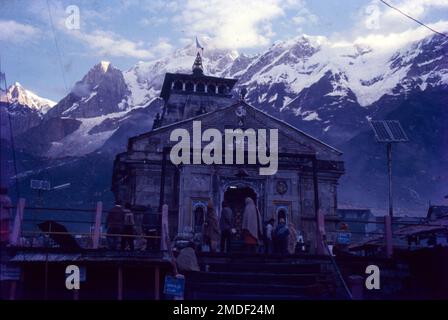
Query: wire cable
[(413, 19), (57, 46), (3, 77)]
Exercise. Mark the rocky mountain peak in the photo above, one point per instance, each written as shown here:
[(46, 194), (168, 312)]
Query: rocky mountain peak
[(17, 95), (100, 92), (105, 65)]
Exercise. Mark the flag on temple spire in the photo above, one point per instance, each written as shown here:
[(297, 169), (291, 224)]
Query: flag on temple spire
[(198, 45)]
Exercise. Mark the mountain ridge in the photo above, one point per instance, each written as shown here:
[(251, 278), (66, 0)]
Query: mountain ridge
[(329, 91)]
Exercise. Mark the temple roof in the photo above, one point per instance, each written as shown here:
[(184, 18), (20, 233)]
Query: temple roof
[(257, 113)]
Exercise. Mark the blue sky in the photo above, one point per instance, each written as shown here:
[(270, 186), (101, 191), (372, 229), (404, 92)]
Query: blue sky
[(125, 32)]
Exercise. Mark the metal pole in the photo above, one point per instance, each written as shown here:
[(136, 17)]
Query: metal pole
[(388, 236), (388, 220), (389, 169)]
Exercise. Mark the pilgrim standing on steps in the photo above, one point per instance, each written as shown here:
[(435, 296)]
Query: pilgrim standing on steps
[(211, 227), (251, 226), (226, 224)]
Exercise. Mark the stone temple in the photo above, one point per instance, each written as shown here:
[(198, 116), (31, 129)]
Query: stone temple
[(304, 187)]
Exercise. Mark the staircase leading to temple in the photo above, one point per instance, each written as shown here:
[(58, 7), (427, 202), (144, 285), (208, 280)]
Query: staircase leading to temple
[(259, 277)]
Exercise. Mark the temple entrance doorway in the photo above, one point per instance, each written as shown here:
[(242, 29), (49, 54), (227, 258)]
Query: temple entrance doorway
[(235, 196)]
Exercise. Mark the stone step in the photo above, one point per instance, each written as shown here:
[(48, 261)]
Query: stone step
[(262, 277)]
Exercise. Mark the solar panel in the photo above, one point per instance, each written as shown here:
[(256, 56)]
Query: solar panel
[(397, 131), (388, 131), (381, 133)]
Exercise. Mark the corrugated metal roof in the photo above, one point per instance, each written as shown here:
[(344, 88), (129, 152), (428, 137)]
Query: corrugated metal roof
[(440, 224)]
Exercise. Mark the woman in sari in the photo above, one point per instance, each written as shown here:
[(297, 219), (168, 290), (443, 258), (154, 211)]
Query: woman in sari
[(252, 233)]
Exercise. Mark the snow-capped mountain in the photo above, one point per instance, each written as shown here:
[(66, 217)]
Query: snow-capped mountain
[(145, 79), (107, 100), (25, 108), (101, 91), (18, 95), (330, 89), (368, 72), (327, 89)]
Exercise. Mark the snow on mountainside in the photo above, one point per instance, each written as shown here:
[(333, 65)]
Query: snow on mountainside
[(96, 103), (327, 89), (18, 95), (368, 72), (85, 139), (365, 73), (330, 89), (25, 108), (101, 91)]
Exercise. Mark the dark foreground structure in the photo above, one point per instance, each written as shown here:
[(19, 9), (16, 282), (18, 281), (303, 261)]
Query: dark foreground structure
[(140, 276)]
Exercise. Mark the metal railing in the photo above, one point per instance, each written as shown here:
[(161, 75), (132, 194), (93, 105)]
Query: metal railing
[(86, 225), (49, 227)]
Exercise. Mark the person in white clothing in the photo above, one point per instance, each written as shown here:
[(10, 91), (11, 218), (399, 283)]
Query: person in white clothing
[(269, 228)]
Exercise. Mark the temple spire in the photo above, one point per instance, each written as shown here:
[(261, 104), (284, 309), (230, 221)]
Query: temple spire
[(198, 69)]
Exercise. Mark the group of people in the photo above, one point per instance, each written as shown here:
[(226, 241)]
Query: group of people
[(280, 238), (215, 232), (257, 236)]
